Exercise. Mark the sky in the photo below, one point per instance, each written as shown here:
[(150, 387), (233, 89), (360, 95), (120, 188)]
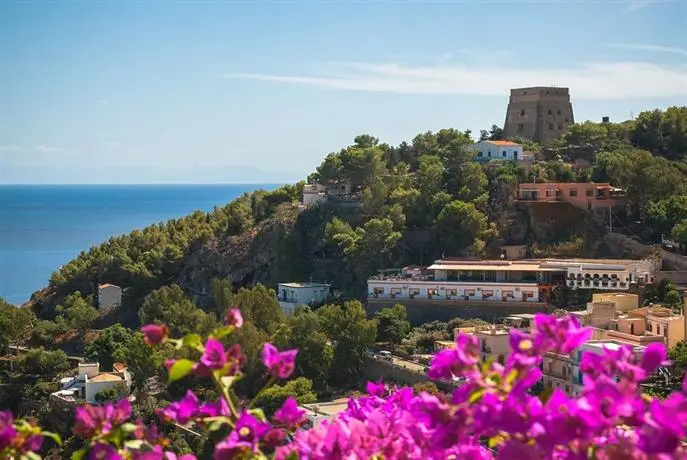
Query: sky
[(238, 91)]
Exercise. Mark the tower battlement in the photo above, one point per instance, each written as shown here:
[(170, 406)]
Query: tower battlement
[(540, 113)]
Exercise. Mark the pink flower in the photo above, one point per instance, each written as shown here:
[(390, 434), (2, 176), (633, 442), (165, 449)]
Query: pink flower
[(7, 430), (233, 318), (280, 364), (181, 411), (102, 451), (289, 414), (154, 333), (246, 436), (214, 356), (92, 420)]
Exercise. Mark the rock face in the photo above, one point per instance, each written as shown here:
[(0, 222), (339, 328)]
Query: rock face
[(254, 256)]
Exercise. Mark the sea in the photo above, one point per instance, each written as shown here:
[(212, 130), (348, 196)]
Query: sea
[(45, 226)]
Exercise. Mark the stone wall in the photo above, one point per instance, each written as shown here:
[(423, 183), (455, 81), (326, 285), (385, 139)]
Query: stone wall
[(378, 369), (423, 311)]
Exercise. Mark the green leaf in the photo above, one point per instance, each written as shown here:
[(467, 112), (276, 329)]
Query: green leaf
[(54, 436), (228, 380), (545, 395), (79, 454), (31, 456), (292, 456), (475, 396), (512, 375), (192, 340), (129, 427), (134, 444), (222, 332), (258, 413), (180, 369)]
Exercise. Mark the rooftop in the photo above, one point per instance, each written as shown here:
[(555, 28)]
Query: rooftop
[(106, 285), (328, 408), (305, 285), (513, 144), (119, 367), (610, 345), (105, 377), (527, 264)]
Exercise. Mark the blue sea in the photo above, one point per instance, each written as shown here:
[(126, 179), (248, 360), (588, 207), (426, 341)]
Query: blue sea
[(43, 227)]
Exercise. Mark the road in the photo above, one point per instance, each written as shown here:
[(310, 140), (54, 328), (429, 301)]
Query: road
[(417, 367)]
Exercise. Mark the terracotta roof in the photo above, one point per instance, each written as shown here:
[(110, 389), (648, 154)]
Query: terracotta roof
[(503, 143), (104, 285), (119, 367), (106, 377)]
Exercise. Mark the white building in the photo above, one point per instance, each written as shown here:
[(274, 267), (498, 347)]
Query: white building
[(597, 347), (529, 280), (498, 150), (317, 412), (313, 194), (89, 381), (291, 295), (109, 295)]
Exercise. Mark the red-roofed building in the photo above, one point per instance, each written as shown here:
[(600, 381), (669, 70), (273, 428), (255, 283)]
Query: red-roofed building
[(583, 195), (109, 296)]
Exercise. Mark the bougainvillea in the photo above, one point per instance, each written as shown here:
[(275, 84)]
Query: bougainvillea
[(492, 414)]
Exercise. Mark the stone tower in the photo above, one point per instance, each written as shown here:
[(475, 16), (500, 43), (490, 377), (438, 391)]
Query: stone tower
[(540, 113)]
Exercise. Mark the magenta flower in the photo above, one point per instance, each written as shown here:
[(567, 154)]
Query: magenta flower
[(280, 364), (561, 335), (376, 388), (654, 356), (289, 414), (154, 333), (245, 436), (214, 356), (460, 361), (7, 430), (181, 411), (233, 318), (102, 451)]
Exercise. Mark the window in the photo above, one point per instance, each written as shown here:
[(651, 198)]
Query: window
[(521, 127), (649, 327), (590, 193), (395, 290), (489, 154), (550, 112), (379, 290), (413, 291), (658, 329), (573, 193), (558, 112), (522, 112), (433, 291), (503, 153), (550, 125), (451, 291)]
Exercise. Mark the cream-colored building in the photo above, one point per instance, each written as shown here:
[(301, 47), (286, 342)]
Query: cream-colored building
[(664, 322), (89, 381), (320, 411), (622, 300), (109, 295)]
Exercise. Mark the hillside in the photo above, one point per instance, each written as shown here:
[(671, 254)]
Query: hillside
[(420, 200)]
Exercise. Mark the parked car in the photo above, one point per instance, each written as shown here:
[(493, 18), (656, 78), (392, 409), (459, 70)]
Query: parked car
[(386, 355)]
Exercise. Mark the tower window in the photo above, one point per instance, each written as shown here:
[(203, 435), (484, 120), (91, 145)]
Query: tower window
[(503, 153), (550, 113), (522, 113), (521, 126)]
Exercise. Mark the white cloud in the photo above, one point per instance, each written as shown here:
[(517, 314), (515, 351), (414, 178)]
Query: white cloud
[(104, 102), (643, 47), (614, 80), (48, 149)]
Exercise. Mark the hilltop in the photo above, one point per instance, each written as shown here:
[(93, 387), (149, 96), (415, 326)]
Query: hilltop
[(417, 201)]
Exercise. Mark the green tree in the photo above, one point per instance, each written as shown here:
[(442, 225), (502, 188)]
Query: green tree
[(679, 233), (79, 312), (110, 346), (672, 298), (15, 324), (142, 361), (259, 305), (169, 305), (43, 362), (663, 215), (274, 396), (304, 330), (222, 296), (352, 334), (109, 394), (459, 225), (392, 324)]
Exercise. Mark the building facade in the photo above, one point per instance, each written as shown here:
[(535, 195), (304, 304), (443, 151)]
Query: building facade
[(497, 150), (589, 196), (109, 295), (292, 295), (89, 381), (523, 281), (538, 113)]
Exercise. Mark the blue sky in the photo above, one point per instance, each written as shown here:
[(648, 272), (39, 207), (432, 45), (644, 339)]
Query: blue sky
[(221, 91)]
